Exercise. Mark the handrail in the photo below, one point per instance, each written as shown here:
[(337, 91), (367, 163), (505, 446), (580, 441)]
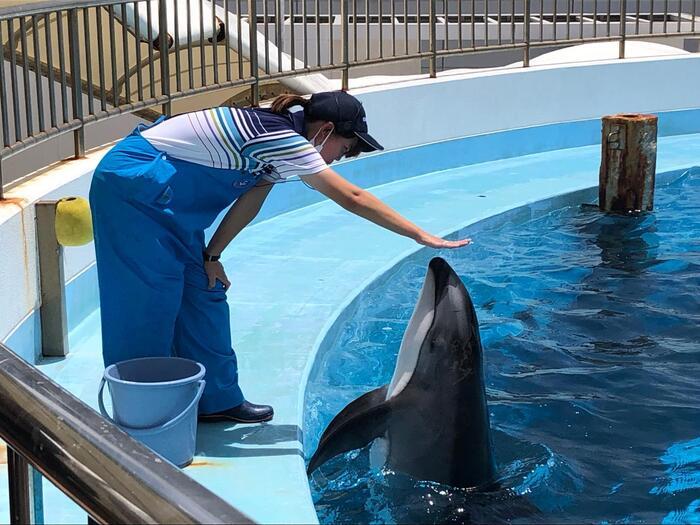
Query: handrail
[(59, 42), (33, 8), (113, 477)]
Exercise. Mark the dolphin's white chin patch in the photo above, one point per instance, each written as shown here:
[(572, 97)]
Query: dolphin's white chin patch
[(418, 326)]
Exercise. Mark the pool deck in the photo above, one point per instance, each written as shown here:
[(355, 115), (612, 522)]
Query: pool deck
[(292, 275)]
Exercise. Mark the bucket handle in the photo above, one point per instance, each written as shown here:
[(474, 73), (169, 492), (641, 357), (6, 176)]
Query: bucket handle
[(160, 428)]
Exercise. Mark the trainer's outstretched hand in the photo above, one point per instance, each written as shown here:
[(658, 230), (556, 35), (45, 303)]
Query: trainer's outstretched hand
[(436, 242)]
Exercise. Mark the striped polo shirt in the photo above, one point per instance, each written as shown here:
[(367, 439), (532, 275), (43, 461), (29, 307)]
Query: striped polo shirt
[(240, 139)]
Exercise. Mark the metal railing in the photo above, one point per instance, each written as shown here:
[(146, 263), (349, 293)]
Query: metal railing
[(71, 63), (114, 478)]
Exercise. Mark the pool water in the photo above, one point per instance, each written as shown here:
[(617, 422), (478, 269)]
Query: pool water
[(591, 330)]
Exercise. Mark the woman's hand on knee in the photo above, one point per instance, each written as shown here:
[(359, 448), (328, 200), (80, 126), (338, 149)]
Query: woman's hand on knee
[(215, 272)]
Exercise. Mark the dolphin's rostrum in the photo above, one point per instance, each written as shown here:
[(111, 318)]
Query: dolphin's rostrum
[(433, 415)]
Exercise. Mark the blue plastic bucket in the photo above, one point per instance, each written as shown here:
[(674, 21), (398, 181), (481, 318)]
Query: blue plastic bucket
[(155, 400)]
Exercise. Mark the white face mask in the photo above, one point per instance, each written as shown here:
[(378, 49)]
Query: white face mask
[(319, 147)]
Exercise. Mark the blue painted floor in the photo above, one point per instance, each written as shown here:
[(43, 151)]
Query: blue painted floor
[(291, 276)]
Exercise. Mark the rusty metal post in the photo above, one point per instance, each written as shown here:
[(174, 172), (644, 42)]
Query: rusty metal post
[(26, 496), (628, 163), (54, 323), (253, 60), (76, 87), (19, 488), (623, 28), (526, 34), (165, 40), (432, 60), (345, 78)]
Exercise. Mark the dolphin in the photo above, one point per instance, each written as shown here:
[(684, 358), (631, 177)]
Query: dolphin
[(432, 417)]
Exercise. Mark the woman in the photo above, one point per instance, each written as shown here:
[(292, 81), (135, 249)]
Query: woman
[(162, 290)]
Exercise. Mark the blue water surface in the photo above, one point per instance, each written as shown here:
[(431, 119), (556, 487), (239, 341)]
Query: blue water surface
[(591, 330)]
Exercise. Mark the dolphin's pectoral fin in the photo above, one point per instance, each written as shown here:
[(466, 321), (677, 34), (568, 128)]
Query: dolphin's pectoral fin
[(356, 425), (365, 402)]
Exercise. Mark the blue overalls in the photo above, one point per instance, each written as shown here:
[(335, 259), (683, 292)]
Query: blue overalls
[(149, 213)]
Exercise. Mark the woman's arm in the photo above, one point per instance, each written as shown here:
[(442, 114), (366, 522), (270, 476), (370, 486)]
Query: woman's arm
[(366, 205), (238, 217)]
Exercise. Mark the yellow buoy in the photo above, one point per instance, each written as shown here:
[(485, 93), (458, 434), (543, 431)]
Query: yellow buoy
[(73, 221)]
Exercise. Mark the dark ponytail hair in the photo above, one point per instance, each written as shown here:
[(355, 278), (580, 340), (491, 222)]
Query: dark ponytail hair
[(283, 102)]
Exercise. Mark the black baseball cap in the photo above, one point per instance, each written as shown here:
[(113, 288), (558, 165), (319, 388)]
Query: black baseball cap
[(346, 112)]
